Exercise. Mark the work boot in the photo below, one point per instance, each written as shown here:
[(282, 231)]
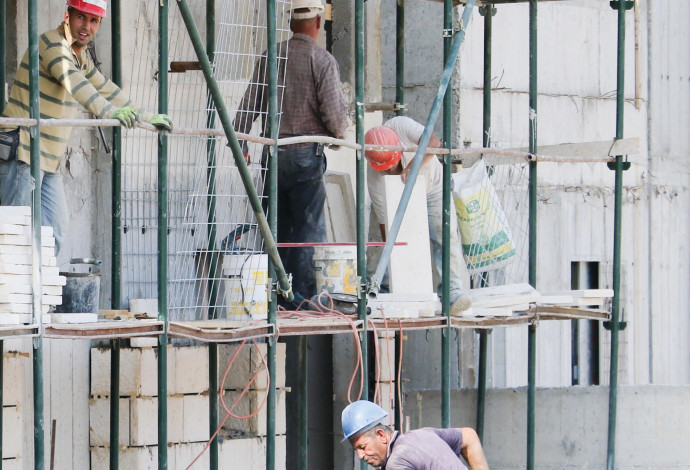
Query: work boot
[(459, 302)]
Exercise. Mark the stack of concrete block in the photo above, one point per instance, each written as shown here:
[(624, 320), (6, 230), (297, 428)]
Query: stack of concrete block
[(16, 278), (188, 408), (13, 435)]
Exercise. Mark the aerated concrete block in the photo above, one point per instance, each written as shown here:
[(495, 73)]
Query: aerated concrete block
[(130, 372), (12, 464), (191, 370), (196, 422), (186, 453), (248, 404), (258, 364), (144, 420), (149, 371), (250, 454), (12, 432), (139, 458), (99, 422), (13, 378), (238, 375)]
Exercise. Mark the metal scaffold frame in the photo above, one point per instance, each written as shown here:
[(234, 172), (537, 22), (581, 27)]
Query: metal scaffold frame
[(164, 328)]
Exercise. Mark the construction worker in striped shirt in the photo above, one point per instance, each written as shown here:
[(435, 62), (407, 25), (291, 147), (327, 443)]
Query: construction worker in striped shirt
[(67, 78)]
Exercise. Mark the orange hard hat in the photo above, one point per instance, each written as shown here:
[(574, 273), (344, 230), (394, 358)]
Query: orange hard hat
[(381, 160), (93, 7)]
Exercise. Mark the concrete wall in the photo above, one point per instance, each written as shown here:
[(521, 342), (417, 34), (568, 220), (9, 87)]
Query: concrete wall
[(571, 428)]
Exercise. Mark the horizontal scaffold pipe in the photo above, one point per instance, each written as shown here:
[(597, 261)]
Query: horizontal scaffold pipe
[(319, 139)]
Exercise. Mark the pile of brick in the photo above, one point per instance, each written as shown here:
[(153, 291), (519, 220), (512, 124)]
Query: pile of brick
[(242, 443), (16, 276)]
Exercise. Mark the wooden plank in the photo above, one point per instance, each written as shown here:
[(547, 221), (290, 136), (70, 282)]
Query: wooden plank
[(548, 312), (196, 330), (490, 322), (410, 265), (612, 148)]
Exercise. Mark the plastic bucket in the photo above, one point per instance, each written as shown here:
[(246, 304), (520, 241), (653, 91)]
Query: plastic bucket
[(336, 269), (245, 277), (82, 289)]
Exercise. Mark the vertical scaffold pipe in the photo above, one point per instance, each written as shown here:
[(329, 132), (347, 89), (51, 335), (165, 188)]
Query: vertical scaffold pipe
[(361, 162), (245, 175), (400, 101), (211, 166), (487, 11), (445, 222), (211, 218), (163, 238), (3, 62), (360, 196), (116, 248), (617, 223), (391, 237), (272, 69), (532, 329), (400, 57), (3, 66), (35, 159)]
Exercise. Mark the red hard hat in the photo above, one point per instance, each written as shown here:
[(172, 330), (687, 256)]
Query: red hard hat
[(93, 7), (381, 160)]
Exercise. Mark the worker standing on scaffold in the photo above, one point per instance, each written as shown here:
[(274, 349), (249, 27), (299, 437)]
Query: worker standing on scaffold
[(313, 105), (67, 76), (403, 131), (422, 449)]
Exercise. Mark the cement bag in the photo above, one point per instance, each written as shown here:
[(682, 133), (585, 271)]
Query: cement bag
[(486, 238)]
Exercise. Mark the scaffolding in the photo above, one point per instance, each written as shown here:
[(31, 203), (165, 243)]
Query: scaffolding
[(164, 328)]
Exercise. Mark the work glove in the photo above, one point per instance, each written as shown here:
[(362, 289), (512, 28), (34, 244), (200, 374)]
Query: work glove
[(128, 116), (162, 121)]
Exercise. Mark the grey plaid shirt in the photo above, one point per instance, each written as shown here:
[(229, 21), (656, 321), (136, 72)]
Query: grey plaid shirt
[(312, 99)]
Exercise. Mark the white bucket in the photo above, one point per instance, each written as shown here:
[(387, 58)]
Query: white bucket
[(245, 277), (336, 269)]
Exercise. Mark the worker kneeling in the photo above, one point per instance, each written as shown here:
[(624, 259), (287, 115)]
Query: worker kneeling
[(401, 131), (422, 449)]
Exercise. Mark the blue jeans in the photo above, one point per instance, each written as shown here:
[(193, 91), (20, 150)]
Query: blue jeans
[(301, 217), (16, 189)]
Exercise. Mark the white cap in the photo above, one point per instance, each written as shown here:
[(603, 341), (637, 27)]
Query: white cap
[(314, 8)]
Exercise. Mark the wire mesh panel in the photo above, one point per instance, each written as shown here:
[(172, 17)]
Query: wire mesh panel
[(491, 200), (216, 267)]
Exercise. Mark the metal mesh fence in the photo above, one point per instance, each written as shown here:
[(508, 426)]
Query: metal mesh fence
[(213, 242)]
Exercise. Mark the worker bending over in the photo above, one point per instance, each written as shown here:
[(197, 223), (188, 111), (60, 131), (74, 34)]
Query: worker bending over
[(313, 105), (403, 131), (423, 449), (67, 76)]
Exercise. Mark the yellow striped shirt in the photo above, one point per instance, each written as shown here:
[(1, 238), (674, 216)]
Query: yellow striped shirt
[(65, 79)]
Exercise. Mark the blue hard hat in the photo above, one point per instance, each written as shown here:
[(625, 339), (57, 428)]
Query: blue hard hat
[(360, 416)]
